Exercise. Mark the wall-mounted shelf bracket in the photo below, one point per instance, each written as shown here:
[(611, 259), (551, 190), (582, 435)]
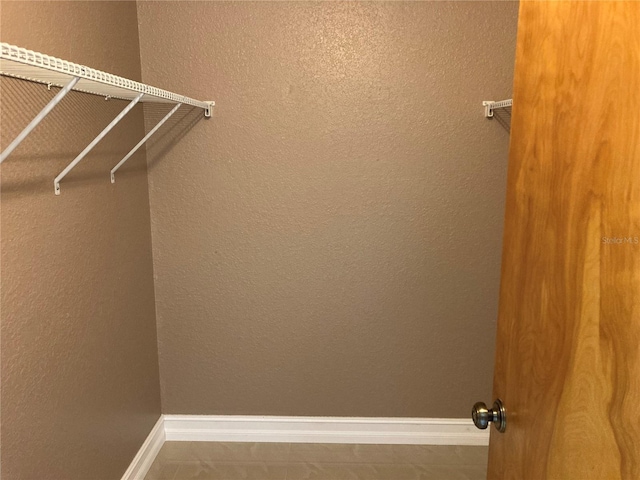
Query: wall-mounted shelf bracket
[(490, 106), (142, 142), (209, 109), (38, 118), (101, 135)]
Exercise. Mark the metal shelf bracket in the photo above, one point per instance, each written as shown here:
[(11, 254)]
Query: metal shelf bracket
[(38, 118), (101, 135), (142, 142), (490, 106)]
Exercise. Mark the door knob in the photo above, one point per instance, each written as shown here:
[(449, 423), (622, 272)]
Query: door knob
[(482, 416)]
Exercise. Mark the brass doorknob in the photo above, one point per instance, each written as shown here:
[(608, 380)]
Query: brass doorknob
[(482, 416)]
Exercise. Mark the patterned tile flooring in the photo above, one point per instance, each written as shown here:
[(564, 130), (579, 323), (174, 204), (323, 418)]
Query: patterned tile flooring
[(307, 461)]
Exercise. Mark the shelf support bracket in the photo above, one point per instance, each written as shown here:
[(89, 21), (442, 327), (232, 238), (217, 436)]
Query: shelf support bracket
[(38, 118), (490, 106), (101, 135), (209, 109), (141, 142)]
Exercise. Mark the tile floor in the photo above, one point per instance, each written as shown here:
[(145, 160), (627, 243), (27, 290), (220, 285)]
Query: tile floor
[(302, 461)]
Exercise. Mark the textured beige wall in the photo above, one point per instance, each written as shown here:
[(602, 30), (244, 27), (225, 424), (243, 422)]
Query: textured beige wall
[(329, 243), (80, 389)]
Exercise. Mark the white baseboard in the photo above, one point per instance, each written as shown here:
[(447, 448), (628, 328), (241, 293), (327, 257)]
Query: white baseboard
[(230, 428), (410, 431), (147, 453)]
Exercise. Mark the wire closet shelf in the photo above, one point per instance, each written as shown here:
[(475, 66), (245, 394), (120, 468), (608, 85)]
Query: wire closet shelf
[(37, 67), (490, 106)]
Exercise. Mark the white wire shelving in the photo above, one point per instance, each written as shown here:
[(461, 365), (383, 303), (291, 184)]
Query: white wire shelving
[(490, 106), (40, 68)]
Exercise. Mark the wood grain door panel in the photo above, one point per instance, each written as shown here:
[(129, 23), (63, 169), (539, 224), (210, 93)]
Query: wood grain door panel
[(568, 347)]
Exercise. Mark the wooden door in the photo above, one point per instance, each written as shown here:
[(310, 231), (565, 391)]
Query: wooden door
[(568, 349)]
